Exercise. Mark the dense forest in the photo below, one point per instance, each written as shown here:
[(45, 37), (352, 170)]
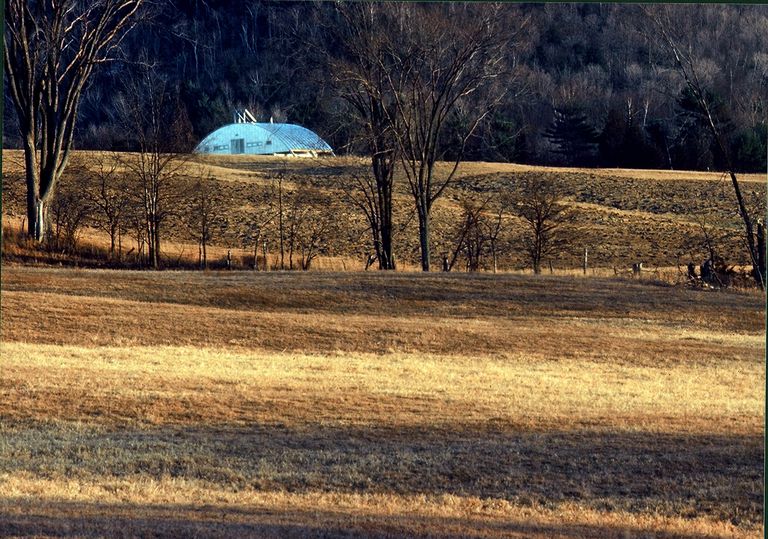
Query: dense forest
[(584, 84)]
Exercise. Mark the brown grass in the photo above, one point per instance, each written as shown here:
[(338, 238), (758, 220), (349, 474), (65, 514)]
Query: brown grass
[(255, 513), (342, 403), (353, 404)]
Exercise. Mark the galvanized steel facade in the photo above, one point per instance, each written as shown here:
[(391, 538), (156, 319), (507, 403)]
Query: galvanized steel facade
[(263, 139)]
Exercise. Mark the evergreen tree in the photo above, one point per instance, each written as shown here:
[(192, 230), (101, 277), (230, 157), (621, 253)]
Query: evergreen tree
[(637, 150), (749, 149), (625, 143), (611, 141), (504, 139), (574, 138), (695, 147)]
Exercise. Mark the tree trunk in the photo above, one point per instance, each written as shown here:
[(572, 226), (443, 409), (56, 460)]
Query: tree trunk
[(256, 239), (424, 238), (290, 250), (112, 240), (40, 192), (536, 255), (758, 272), (156, 261), (150, 244), (376, 238), (386, 260), (37, 202), (280, 222), (37, 218), (153, 244), (761, 253), (381, 197)]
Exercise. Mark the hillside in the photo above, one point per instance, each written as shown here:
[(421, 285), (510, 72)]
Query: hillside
[(622, 216), (603, 64)]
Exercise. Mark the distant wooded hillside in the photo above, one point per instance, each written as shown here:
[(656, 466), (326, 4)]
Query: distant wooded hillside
[(588, 83)]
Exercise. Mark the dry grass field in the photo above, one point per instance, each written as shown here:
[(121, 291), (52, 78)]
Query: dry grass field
[(338, 403), (254, 404)]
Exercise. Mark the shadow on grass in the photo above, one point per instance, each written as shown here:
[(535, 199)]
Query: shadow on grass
[(716, 476), (388, 294), (126, 520), (548, 317)]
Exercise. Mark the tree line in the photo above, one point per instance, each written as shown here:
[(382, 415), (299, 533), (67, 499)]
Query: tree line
[(284, 224), (591, 86)]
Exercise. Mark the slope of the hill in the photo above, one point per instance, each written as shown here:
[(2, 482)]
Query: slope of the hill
[(661, 218)]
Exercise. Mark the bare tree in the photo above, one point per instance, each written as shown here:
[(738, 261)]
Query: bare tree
[(492, 229), (280, 218), (69, 212), (256, 220), (468, 237), (433, 70), (688, 66), (110, 196), (478, 233), (373, 198), (313, 235), (162, 134), (540, 204), (206, 208), (137, 226), (360, 67), (307, 221), (51, 50)]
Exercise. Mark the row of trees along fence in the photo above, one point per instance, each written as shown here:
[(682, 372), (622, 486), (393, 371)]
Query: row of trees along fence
[(106, 194), (548, 224), (530, 217)]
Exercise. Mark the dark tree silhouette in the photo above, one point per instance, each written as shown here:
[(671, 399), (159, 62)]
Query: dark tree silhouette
[(434, 69), (540, 204), (360, 67)]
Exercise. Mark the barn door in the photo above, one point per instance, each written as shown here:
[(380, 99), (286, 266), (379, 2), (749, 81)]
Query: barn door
[(237, 145)]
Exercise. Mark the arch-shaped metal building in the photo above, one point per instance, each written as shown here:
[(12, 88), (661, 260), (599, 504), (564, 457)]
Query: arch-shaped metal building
[(263, 139)]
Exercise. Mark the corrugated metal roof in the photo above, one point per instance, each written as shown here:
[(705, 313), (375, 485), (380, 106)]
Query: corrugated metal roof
[(262, 138)]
